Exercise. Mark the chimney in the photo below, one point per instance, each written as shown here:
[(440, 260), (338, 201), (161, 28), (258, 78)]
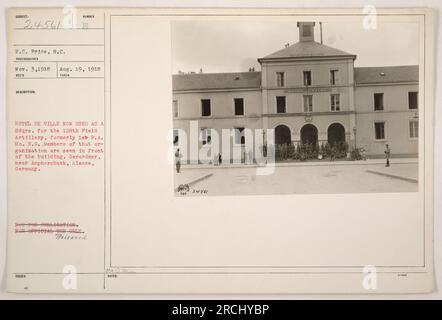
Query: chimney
[(306, 31)]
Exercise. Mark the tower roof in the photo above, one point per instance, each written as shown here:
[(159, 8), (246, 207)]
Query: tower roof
[(307, 49)]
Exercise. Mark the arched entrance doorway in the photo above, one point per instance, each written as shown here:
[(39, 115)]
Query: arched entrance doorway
[(282, 135), (336, 133), (309, 134)]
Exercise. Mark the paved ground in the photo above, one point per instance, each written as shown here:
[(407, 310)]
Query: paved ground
[(351, 177), (403, 171), (189, 175)]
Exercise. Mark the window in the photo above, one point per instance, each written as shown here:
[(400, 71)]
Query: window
[(206, 108), (306, 31), (379, 130), (308, 103), (280, 104), (333, 77), (280, 79), (307, 78), (335, 104), (239, 106), (239, 136), (175, 137), (206, 137), (175, 108), (378, 101), (414, 129), (412, 100)]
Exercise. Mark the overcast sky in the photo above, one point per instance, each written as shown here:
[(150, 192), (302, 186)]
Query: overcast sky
[(217, 46)]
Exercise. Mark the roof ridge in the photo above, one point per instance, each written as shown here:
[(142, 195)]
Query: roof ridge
[(396, 66), (213, 73)]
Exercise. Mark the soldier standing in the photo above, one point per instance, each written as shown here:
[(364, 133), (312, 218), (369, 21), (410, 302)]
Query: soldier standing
[(387, 155), (178, 160)]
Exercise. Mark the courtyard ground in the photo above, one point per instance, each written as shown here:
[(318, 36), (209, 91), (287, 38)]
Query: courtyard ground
[(303, 178)]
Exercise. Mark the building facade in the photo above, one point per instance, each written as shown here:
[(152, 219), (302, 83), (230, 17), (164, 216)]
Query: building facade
[(308, 93)]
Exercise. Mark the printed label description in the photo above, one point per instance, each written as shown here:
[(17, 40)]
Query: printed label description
[(45, 144)]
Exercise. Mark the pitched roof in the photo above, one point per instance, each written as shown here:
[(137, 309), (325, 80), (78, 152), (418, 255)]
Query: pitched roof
[(251, 80), (307, 49), (373, 75), (235, 80)]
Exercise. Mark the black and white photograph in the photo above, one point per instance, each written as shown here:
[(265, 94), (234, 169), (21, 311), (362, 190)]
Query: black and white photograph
[(295, 107)]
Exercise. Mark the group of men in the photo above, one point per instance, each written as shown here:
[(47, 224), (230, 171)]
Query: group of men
[(178, 157)]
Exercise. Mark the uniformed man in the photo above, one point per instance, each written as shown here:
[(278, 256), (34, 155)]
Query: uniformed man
[(387, 155), (178, 160)]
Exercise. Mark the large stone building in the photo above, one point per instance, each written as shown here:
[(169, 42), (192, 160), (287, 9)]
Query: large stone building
[(309, 93)]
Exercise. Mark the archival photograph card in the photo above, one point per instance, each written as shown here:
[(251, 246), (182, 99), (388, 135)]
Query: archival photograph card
[(221, 151)]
